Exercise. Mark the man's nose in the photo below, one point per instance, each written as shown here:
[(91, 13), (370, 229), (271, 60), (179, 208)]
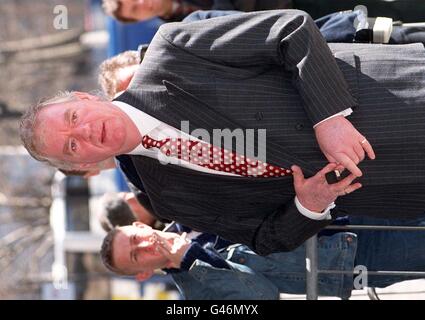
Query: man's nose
[(83, 131)]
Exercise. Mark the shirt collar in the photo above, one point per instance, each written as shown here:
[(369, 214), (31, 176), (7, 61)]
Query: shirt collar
[(144, 122)]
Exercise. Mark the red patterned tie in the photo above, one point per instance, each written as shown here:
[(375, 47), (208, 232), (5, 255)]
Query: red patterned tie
[(208, 156)]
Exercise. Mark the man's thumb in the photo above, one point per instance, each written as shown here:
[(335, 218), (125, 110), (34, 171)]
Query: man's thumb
[(298, 174)]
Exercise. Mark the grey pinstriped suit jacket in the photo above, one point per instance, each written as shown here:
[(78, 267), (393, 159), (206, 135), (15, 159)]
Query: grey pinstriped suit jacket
[(273, 70)]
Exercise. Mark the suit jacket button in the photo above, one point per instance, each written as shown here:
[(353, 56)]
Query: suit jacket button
[(241, 260), (259, 116), (299, 126)]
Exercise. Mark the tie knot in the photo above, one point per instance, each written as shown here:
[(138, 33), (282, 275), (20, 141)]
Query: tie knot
[(149, 142)]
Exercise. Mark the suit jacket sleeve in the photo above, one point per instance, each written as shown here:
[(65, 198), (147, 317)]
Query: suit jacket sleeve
[(285, 38), (285, 230)]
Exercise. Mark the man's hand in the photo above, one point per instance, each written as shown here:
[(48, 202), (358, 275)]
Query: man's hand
[(173, 252), (315, 194), (341, 143)]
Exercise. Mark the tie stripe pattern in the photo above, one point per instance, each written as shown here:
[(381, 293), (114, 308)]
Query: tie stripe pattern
[(211, 157)]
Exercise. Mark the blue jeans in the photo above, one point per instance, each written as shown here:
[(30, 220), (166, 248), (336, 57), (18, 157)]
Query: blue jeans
[(255, 277), (390, 250)]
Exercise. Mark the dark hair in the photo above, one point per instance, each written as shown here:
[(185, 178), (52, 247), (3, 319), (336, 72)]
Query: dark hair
[(116, 212), (106, 251)]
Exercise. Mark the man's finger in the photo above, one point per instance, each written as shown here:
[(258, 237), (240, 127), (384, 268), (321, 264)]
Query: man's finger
[(340, 168), (164, 251), (368, 148), (349, 165), (183, 236), (168, 255), (354, 157), (330, 158), (352, 188), (163, 243), (343, 184), (298, 175), (358, 149), (328, 168)]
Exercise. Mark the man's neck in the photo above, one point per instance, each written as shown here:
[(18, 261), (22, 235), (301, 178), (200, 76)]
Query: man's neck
[(139, 122), (135, 138)]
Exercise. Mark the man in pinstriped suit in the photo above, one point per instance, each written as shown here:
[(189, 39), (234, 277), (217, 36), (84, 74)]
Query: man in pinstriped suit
[(266, 70)]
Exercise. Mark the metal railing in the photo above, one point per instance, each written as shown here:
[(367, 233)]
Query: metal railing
[(312, 259)]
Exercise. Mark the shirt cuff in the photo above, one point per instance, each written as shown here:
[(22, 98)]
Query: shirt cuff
[(325, 215), (344, 113)]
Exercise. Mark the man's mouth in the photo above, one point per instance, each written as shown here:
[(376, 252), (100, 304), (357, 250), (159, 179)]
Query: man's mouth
[(102, 136)]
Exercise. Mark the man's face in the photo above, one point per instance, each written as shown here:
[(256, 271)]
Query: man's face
[(135, 250), (143, 9), (83, 132)]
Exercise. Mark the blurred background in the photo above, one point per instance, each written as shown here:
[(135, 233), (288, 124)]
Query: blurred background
[(49, 229)]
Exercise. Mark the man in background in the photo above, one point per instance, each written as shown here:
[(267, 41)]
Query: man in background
[(207, 267), (177, 10)]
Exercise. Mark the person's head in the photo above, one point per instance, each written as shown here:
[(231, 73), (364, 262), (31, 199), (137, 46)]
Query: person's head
[(115, 212), (132, 250), (116, 72), (137, 10), (77, 130)]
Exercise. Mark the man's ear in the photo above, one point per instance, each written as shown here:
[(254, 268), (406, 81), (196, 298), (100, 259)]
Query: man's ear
[(85, 96), (145, 275)]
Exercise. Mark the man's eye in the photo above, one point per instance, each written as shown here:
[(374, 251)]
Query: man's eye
[(73, 146), (74, 117)]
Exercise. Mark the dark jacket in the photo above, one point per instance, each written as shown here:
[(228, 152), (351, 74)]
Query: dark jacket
[(273, 70)]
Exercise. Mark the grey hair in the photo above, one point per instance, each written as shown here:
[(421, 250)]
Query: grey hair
[(28, 123)]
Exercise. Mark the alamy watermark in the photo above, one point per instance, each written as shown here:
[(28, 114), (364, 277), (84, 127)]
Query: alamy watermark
[(60, 21), (199, 147), (361, 280)]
